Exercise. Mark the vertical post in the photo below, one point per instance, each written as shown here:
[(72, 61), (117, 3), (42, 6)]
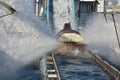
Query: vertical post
[(48, 12), (73, 22), (45, 4), (105, 17), (37, 3), (116, 31)]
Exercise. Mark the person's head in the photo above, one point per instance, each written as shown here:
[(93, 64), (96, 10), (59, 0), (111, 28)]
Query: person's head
[(67, 26)]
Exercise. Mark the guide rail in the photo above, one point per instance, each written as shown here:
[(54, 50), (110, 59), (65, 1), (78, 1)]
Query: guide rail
[(106, 66), (49, 68)]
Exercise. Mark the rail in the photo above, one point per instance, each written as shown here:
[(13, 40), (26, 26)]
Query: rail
[(55, 65), (49, 68), (10, 8), (110, 69)]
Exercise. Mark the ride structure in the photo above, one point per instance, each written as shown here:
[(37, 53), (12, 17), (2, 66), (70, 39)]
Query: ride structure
[(10, 8), (71, 38)]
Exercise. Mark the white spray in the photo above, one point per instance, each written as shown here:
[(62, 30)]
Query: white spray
[(23, 37), (101, 38)]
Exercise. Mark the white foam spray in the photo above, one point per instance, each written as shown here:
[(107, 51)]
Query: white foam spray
[(23, 37), (101, 38), (62, 13)]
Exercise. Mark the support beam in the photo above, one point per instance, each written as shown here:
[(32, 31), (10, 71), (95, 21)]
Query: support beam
[(37, 4), (10, 8), (73, 22), (48, 12)]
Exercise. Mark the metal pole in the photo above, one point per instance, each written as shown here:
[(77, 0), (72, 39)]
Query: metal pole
[(105, 17), (116, 31), (37, 3), (48, 12), (10, 8)]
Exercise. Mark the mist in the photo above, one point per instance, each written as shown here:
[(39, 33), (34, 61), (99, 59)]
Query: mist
[(24, 37), (100, 37)]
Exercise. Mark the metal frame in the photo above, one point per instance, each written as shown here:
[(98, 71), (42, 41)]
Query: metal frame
[(10, 8)]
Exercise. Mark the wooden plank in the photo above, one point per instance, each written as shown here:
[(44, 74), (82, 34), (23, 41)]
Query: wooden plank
[(48, 57), (51, 70), (49, 63), (52, 76)]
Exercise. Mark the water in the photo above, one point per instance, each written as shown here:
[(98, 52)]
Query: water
[(101, 37), (24, 38), (80, 69), (29, 74), (98, 34)]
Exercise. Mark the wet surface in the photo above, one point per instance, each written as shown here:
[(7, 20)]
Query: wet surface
[(30, 72), (29, 75), (70, 69), (80, 69)]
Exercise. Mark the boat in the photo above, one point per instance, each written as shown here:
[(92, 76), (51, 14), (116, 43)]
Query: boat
[(71, 41)]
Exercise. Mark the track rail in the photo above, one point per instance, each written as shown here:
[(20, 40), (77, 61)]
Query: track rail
[(56, 68), (109, 68), (49, 68), (53, 73)]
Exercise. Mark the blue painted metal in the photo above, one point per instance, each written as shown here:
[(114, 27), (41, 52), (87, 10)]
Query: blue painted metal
[(73, 22), (48, 12), (87, 12)]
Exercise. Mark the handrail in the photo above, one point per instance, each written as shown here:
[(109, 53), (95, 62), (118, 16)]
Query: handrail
[(10, 8), (110, 69)]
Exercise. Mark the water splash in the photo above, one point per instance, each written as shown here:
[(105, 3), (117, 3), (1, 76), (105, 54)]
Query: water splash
[(23, 37), (101, 38)]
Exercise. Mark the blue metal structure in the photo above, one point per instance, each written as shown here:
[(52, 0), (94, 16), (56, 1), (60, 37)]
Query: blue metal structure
[(87, 11), (73, 22), (50, 14)]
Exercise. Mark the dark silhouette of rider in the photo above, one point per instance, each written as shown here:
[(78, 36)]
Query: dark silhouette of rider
[(67, 29)]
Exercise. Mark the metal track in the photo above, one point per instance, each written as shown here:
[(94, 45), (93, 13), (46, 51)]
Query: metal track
[(109, 68), (50, 71), (49, 68)]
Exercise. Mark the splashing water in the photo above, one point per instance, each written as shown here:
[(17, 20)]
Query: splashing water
[(101, 37), (23, 37)]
